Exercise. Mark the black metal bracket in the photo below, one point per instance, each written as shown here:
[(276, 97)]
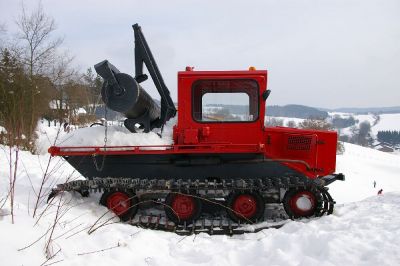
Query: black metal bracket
[(332, 178), (107, 71), (266, 94), (138, 124), (143, 55)]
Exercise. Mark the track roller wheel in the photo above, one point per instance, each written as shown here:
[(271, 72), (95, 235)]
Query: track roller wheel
[(245, 207), (299, 203), (122, 203), (182, 208)]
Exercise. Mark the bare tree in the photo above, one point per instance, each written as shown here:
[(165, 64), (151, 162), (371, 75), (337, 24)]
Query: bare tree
[(60, 74), (38, 47), (377, 118), (45, 178), (362, 134), (319, 124), (61, 71), (2, 35)]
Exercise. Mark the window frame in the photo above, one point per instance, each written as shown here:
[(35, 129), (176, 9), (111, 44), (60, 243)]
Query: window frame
[(256, 100)]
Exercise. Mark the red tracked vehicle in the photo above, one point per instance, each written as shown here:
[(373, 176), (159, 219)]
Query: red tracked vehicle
[(224, 164)]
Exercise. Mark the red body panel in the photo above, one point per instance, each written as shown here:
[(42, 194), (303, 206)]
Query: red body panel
[(310, 152)]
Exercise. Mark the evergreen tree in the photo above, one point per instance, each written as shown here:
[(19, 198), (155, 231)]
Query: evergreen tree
[(93, 85), (17, 100)]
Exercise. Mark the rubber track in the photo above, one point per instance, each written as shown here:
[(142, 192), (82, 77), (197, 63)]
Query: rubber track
[(212, 226)]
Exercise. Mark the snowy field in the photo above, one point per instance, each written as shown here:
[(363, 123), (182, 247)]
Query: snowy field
[(386, 121), (363, 230), (362, 166)]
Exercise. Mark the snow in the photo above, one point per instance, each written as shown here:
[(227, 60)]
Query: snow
[(363, 230), (362, 166), (81, 111), (387, 122), (361, 118), (341, 114), (54, 104), (360, 233), (117, 135)]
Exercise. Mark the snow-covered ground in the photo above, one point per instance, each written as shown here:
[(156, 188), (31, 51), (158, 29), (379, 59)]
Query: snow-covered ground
[(363, 230), (385, 122), (362, 166), (360, 233)]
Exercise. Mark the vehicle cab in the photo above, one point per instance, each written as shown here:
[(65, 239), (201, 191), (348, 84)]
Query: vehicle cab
[(224, 107)]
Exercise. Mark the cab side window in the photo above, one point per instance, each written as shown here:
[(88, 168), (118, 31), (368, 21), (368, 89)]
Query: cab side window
[(225, 101)]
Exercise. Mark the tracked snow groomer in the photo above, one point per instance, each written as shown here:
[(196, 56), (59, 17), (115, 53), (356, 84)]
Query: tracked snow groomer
[(224, 168)]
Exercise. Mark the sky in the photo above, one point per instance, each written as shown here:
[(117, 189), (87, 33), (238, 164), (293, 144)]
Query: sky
[(321, 53)]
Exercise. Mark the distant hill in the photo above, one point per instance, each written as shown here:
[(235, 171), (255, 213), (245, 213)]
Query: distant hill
[(291, 110), (355, 110), (297, 111)]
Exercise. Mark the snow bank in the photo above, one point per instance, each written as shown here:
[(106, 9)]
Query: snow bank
[(116, 136), (362, 166), (362, 233), (31, 169)]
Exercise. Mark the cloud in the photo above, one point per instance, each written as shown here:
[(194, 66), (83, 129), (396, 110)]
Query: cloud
[(319, 53)]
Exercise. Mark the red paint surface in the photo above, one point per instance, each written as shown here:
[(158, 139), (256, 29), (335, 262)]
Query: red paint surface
[(183, 206), (118, 202), (245, 205)]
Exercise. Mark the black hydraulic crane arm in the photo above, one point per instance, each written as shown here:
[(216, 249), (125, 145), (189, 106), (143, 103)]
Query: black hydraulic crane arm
[(143, 55)]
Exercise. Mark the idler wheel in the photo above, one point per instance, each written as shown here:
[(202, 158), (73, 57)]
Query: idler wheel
[(300, 203), (246, 207), (182, 208), (122, 203)]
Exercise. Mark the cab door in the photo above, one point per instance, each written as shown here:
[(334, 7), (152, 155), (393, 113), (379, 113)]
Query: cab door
[(226, 110)]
